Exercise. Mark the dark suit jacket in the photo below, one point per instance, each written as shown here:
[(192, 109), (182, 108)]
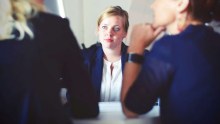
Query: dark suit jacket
[(93, 60), (32, 73), (184, 72)]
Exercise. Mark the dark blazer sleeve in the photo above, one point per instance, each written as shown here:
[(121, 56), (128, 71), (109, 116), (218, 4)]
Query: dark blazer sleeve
[(93, 62), (82, 97), (63, 60)]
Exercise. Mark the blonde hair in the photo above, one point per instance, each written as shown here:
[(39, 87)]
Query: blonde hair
[(16, 17), (114, 11)]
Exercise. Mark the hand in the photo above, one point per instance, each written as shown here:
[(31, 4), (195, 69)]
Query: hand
[(142, 35)]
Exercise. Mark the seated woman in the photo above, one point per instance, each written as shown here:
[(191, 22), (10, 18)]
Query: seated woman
[(105, 60)]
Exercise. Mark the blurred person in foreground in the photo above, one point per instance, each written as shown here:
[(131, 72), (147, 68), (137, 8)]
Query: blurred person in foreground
[(182, 68), (39, 54)]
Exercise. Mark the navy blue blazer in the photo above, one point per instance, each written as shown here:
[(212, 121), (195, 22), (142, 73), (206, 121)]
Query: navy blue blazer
[(184, 72), (93, 60), (32, 72)]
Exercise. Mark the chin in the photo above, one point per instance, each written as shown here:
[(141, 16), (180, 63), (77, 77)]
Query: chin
[(155, 25), (106, 45)]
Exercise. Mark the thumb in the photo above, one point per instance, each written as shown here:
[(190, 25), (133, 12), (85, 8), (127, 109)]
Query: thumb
[(158, 31)]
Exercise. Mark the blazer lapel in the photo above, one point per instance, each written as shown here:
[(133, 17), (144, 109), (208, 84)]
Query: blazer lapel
[(97, 70)]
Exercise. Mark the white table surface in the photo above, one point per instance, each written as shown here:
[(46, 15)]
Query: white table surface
[(111, 113)]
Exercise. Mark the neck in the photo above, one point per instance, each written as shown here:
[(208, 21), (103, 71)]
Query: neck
[(112, 55), (173, 29)]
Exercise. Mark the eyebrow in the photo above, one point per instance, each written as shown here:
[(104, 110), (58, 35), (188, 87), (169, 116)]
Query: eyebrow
[(112, 26)]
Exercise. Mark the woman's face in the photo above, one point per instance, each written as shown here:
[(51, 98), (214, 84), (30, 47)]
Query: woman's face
[(164, 12), (111, 32)]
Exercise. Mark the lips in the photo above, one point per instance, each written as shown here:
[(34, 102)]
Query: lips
[(108, 40)]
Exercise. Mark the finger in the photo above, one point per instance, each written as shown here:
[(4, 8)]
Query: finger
[(158, 30)]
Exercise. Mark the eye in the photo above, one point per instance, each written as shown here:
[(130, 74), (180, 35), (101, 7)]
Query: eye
[(104, 27), (116, 29)]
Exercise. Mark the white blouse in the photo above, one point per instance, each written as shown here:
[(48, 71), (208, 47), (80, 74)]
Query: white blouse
[(111, 81)]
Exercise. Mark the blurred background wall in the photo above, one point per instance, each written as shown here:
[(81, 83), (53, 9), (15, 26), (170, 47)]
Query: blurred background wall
[(84, 13)]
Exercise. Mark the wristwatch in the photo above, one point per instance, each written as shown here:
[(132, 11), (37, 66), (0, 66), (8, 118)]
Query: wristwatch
[(135, 58)]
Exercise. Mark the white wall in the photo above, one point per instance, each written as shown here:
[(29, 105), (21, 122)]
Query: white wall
[(84, 13), (74, 12)]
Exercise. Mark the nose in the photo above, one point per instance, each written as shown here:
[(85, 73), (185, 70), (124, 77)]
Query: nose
[(109, 31)]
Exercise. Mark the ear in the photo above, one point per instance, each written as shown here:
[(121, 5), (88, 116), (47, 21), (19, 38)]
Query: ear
[(97, 31), (183, 5)]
